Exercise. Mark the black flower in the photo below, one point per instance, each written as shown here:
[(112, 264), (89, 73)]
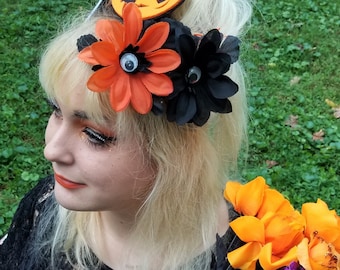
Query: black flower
[(200, 85)]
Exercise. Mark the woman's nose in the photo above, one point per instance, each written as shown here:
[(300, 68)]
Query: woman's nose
[(59, 147)]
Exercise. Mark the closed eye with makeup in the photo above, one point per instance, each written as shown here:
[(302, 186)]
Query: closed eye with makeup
[(96, 136)]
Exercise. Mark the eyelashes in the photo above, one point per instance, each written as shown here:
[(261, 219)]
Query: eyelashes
[(98, 139), (94, 137)]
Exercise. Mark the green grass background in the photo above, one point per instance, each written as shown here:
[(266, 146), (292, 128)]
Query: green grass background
[(291, 55)]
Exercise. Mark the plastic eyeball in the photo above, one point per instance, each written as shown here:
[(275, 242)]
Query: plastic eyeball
[(194, 75), (129, 62)]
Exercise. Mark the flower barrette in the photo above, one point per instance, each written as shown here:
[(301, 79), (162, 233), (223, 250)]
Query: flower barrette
[(132, 68), (158, 65)]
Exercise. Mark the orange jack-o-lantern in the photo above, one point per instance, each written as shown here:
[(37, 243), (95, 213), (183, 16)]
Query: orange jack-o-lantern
[(149, 8)]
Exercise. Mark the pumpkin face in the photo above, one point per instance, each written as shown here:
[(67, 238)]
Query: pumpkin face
[(149, 8)]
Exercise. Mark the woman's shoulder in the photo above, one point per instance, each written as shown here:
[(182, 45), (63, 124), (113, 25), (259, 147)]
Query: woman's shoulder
[(24, 221), (29, 207)]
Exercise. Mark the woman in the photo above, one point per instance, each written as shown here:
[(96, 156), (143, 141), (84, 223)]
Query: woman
[(145, 129)]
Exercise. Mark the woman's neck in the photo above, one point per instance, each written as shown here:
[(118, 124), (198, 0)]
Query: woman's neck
[(111, 241)]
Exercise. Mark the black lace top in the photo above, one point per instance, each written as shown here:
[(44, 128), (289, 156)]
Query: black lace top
[(15, 251)]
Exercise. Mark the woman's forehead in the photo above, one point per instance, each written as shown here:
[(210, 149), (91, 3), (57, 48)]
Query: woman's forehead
[(84, 103)]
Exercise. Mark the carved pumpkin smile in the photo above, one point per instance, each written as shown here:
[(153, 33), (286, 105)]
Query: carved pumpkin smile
[(149, 8)]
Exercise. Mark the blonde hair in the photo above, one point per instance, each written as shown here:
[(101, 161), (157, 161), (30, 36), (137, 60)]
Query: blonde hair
[(178, 219)]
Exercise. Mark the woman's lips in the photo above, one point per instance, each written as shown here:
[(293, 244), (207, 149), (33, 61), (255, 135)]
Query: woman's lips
[(67, 183)]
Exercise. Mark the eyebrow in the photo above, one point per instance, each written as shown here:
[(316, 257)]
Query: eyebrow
[(83, 116), (80, 114)]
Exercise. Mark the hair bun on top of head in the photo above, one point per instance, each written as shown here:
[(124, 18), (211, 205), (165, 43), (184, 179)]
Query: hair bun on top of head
[(158, 65)]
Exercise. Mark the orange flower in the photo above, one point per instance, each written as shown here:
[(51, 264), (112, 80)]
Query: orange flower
[(321, 246), (245, 257), (132, 67), (246, 199), (315, 253), (271, 228), (269, 261), (323, 221), (272, 240), (283, 230), (255, 198)]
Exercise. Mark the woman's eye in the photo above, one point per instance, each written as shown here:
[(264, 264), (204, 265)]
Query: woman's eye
[(55, 108), (98, 139)]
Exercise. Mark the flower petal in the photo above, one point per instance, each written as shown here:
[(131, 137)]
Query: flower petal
[(163, 61), (179, 84), (303, 254), (141, 98), (245, 257), (186, 109), (206, 102), (120, 92), (218, 64), (274, 201), (111, 31), (283, 230), (204, 105), (249, 229), (222, 87), (102, 79), (186, 48), (271, 262), (157, 84), (105, 53), (133, 24), (231, 46), (209, 43), (320, 254), (182, 108), (320, 219), (230, 191), (250, 196), (86, 55), (154, 37)]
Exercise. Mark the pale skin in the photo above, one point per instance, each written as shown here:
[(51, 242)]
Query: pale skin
[(112, 176)]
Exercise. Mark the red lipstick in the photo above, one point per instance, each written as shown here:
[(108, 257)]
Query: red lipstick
[(67, 183)]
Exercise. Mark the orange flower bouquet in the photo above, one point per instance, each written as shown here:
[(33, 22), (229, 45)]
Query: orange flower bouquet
[(277, 236)]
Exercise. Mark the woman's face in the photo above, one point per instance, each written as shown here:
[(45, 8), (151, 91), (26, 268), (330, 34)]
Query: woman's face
[(94, 170)]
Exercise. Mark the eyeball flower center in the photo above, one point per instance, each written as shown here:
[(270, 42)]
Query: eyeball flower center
[(129, 62), (194, 75)]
